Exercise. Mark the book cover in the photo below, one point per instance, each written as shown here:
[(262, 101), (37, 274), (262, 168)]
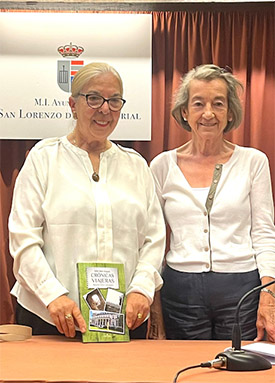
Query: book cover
[(102, 301)]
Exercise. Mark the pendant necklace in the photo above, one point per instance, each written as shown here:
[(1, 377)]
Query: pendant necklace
[(95, 175)]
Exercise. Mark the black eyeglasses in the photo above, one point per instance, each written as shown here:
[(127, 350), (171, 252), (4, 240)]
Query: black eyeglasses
[(95, 101)]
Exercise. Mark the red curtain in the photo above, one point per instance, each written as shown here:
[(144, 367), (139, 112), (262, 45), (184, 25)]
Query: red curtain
[(241, 38)]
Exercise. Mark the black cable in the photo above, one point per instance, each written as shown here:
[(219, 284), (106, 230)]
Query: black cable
[(207, 364)]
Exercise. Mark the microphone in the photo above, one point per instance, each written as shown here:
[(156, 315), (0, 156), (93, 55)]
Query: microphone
[(236, 359)]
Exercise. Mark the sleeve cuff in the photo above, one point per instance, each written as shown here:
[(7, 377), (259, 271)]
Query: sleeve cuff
[(146, 281), (50, 290)]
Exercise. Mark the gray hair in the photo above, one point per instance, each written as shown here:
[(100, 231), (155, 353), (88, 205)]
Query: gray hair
[(89, 71), (209, 72)]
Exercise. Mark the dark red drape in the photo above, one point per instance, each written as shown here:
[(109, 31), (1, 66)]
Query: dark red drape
[(241, 38)]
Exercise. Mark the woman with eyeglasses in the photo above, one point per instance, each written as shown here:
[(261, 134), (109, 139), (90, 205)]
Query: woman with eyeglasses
[(217, 200), (82, 198)]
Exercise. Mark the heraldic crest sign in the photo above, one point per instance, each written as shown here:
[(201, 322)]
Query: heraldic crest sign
[(67, 68)]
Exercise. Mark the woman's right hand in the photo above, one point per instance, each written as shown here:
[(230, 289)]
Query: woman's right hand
[(66, 315)]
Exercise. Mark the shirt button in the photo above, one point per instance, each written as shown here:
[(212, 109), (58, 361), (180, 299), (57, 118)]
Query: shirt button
[(205, 213), (217, 167), (205, 231), (207, 265), (215, 181), (206, 249), (210, 197)]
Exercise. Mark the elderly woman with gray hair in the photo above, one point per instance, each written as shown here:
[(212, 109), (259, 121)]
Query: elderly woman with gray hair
[(82, 198), (216, 197)]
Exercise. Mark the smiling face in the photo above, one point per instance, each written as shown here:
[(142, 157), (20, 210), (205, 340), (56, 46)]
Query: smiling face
[(207, 112), (97, 124)]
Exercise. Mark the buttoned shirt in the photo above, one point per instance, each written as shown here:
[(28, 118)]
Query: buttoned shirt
[(233, 231), (61, 216)]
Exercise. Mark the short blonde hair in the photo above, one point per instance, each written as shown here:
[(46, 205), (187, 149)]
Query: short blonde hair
[(84, 75), (209, 72)]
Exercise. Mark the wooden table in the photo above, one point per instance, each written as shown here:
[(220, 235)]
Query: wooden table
[(57, 359)]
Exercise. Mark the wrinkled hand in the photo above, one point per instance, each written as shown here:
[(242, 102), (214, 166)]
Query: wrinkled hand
[(62, 306), (136, 304), (266, 318)]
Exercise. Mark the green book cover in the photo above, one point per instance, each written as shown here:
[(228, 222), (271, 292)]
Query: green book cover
[(102, 301)]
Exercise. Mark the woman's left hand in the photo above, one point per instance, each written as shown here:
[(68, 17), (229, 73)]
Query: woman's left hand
[(137, 309), (266, 318)]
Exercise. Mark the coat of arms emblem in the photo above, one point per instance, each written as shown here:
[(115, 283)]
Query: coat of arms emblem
[(66, 69)]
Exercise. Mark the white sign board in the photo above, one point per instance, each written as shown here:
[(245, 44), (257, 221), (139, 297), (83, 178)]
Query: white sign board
[(39, 54)]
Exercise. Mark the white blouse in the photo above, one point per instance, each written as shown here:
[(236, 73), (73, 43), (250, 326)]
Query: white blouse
[(201, 194), (60, 216)]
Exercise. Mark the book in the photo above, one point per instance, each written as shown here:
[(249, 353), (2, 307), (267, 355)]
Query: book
[(102, 301)]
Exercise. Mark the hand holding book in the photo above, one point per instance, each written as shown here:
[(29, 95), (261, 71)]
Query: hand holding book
[(137, 309), (66, 315)]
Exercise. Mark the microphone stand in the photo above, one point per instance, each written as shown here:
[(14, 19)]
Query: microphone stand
[(236, 359)]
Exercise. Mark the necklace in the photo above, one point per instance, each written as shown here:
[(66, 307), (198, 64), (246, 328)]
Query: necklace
[(95, 175)]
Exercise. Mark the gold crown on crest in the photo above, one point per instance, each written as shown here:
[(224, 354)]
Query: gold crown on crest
[(70, 50)]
